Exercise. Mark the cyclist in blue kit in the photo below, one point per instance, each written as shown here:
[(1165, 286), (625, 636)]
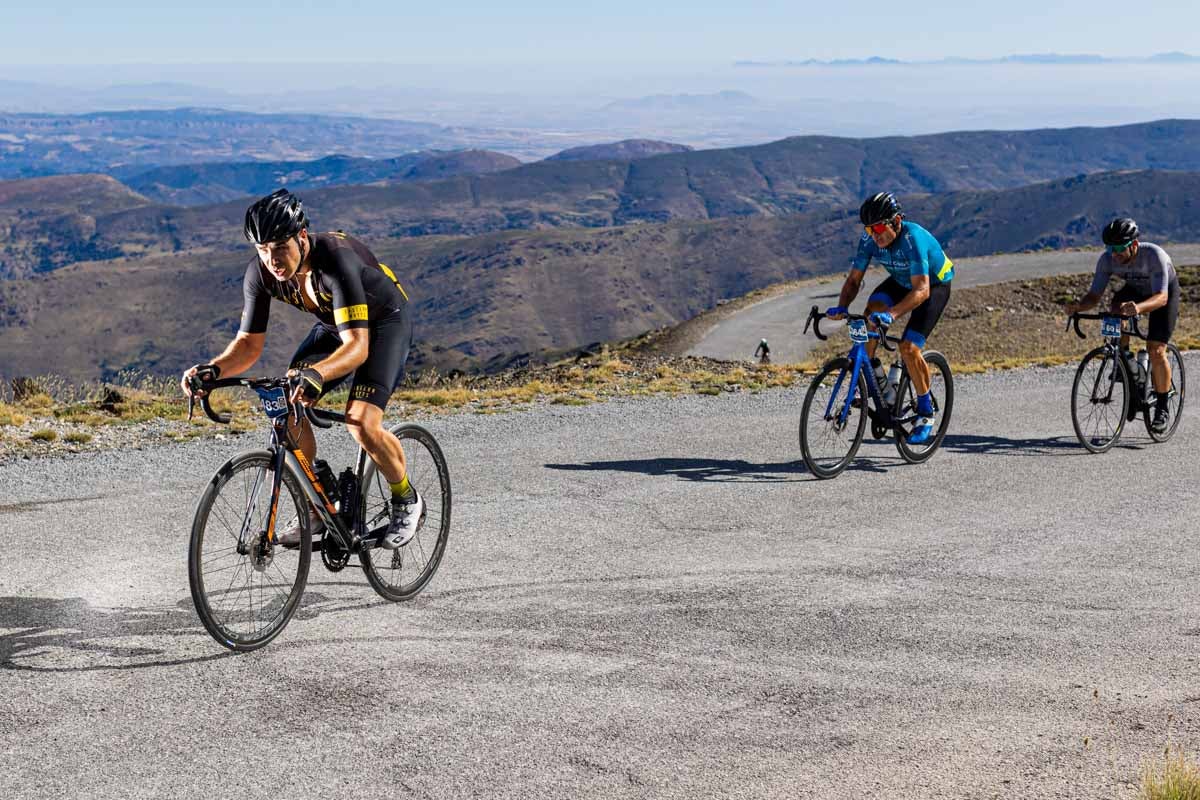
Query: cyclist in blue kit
[(919, 275)]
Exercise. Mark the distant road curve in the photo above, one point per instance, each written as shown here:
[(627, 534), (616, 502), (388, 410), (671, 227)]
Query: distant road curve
[(780, 319)]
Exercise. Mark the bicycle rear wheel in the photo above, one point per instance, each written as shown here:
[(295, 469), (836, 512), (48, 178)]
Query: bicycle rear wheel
[(827, 442), (246, 588), (401, 574), (941, 387), (1175, 401), (1100, 398)]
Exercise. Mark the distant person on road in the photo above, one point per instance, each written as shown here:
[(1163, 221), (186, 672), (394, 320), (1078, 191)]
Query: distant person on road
[(918, 282), (364, 332), (1151, 287), (763, 352)]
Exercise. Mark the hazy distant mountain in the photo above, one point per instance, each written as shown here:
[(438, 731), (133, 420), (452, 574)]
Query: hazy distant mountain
[(718, 101), (624, 150), (34, 145), (199, 184), (1023, 58), (487, 298)]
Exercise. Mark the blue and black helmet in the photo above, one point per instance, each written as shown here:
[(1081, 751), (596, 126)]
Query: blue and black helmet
[(879, 208)]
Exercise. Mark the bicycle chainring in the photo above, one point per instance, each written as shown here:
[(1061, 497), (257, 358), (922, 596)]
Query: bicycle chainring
[(333, 555)]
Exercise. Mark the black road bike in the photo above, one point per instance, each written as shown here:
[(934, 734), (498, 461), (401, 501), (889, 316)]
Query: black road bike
[(1110, 387), (245, 584), (845, 393)]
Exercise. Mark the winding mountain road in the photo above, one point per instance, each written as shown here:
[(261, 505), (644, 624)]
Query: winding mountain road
[(780, 319), (642, 598)]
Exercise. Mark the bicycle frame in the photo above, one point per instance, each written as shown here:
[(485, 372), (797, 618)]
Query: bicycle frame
[(285, 450), (1127, 326), (860, 364)]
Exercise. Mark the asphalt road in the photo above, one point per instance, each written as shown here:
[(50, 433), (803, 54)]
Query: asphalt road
[(644, 598), (780, 320)]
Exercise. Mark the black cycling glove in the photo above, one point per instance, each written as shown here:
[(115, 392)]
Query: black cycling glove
[(310, 382)]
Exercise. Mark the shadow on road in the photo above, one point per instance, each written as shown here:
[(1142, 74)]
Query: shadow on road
[(1000, 445), (717, 469), (43, 634)]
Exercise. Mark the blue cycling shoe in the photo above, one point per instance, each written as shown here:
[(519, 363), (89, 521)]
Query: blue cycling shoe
[(923, 431)]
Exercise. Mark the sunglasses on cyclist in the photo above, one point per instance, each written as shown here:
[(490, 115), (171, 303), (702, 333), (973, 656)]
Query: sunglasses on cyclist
[(877, 228), (1119, 248)]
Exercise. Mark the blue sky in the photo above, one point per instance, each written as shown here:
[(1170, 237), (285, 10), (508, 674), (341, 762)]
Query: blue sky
[(58, 32)]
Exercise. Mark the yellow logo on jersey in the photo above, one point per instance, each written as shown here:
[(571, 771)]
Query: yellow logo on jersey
[(349, 314)]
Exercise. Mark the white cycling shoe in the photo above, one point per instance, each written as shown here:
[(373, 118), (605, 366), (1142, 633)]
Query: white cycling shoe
[(406, 521)]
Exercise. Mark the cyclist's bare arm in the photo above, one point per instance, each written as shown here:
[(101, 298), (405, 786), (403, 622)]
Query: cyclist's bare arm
[(355, 348), (353, 351), (1151, 303), (918, 295), (239, 356), (1089, 300), (850, 288)]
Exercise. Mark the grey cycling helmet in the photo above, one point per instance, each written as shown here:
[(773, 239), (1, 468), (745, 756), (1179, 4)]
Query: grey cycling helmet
[(879, 208), (1121, 230), (274, 218)]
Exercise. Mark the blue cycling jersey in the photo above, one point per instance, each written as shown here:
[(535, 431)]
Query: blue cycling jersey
[(915, 252)]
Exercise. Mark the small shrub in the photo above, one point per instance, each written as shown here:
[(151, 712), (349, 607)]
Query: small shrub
[(77, 437), (44, 435)]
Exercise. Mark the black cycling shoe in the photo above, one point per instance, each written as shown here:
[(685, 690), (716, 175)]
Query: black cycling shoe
[(1162, 420)]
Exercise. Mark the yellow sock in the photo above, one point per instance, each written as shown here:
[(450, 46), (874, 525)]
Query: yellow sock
[(402, 488)]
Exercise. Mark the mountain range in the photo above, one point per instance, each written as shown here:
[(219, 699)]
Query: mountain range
[(786, 177), (484, 300)]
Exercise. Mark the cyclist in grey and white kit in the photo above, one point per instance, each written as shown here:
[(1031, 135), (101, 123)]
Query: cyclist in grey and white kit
[(1151, 287)]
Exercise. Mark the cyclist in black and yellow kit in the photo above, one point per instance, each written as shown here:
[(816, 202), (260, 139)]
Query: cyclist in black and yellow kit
[(364, 333)]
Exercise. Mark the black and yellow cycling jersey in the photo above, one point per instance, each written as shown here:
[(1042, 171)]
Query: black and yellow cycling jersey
[(352, 289)]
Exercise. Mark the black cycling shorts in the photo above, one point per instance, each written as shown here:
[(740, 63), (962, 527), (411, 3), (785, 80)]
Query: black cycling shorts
[(1163, 319), (924, 316), (378, 376)]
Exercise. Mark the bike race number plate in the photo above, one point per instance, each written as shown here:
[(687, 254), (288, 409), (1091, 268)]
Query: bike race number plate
[(1110, 327), (858, 331), (274, 402)]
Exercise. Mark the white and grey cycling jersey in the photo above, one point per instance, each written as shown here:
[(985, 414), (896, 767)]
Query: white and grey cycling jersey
[(1150, 272)]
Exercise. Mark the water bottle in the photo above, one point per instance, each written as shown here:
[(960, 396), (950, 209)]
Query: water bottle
[(347, 493), (1143, 367), (325, 476), (879, 376), (893, 382)]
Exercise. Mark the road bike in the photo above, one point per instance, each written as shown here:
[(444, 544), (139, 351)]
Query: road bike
[(845, 393), (1112, 386), (245, 584)]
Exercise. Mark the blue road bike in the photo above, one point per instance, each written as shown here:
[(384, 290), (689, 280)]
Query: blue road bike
[(845, 394)]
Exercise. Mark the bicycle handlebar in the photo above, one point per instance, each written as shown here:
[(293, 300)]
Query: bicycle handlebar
[(815, 316), (1135, 329), (322, 419)]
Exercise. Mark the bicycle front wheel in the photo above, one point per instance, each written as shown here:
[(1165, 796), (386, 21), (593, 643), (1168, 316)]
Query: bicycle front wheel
[(1174, 401), (401, 574), (831, 433), (1100, 398), (246, 587), (941, 389)]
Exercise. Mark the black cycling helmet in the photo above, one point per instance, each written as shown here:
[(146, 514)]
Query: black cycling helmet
[(879, 208), (274, 218), (1121, 230)]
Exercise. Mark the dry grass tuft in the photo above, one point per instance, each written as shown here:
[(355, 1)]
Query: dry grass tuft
[(1174, 778)]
